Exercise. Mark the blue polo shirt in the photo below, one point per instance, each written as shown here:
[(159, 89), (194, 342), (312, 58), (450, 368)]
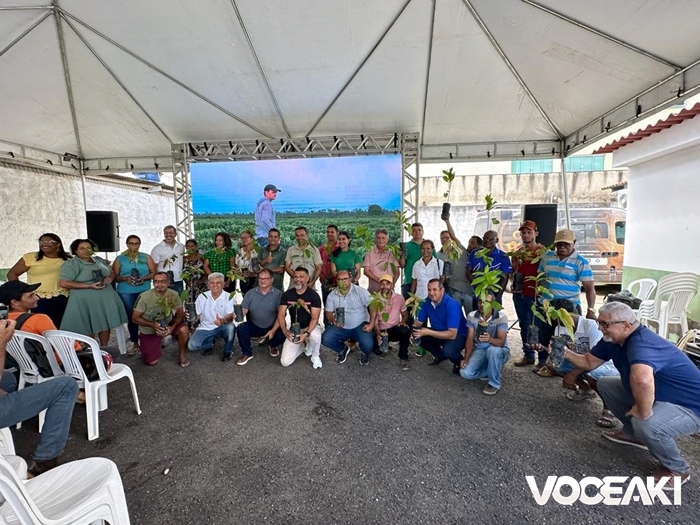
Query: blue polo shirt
[(500, 261), (564, 277), (445, 315), (676, 378)]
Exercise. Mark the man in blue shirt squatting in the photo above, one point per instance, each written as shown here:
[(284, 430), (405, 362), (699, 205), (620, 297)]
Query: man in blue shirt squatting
[(448, 327), (265, 218), (656, 396), (566, 271)]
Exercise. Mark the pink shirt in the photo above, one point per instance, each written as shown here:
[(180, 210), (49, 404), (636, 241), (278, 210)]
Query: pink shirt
[(397, 305), (379, 263)]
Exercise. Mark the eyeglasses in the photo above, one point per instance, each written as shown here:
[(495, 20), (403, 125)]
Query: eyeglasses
[(48, 242), (607, 324), (264, 278)]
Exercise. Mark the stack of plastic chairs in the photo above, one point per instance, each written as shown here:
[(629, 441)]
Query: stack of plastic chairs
[(669, 306)]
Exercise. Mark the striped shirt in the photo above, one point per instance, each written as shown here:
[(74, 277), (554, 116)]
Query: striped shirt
[(564, 277)]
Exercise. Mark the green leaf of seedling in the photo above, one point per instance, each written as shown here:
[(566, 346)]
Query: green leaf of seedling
[(494, 220), (490, 202), (446, 194), (385, 317)]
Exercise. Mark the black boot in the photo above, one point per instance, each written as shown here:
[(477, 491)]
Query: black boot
[(36, 467)]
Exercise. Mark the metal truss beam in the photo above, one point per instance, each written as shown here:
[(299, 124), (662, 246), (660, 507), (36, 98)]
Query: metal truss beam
[(24, 7), (27, 156), (410, 158), (601, 34), (263, 149), (104, 166), (490, 151), (24, 33), (182, 190), (668, 92), (510, 66)]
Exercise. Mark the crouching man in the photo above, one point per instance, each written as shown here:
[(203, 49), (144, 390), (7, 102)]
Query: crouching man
[(485, 355), (656, 396), (215, 315)]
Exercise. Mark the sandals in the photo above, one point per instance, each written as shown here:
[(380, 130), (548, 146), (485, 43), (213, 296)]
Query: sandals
[(135, 349), (184, 364), (546, 371), (580, 394), (606, 419)]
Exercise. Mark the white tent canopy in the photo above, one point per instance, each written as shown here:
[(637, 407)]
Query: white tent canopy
[(112, 79)]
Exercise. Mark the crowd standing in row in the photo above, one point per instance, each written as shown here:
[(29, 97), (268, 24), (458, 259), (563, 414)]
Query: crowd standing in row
[(644, 381)]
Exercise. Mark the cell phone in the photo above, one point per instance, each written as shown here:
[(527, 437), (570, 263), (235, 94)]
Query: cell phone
[(3, 312)]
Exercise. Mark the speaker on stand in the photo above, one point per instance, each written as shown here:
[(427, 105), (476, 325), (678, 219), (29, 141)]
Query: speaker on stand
[(103, 229), (546, 218)]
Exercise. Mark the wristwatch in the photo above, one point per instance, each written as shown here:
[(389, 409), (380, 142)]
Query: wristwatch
[(592, 310)]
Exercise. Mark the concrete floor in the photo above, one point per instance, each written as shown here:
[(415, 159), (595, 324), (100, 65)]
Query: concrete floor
[(351, 444)]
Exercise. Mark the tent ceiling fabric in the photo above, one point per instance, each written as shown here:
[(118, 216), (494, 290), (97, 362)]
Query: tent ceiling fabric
[(145, 74)]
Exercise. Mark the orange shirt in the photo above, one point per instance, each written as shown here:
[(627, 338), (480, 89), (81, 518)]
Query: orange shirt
[(35, 324)]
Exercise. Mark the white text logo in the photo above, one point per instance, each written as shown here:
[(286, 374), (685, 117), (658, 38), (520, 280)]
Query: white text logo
[(609, 490)]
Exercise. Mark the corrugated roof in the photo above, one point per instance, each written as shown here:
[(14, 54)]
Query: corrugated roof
[(651, 129)]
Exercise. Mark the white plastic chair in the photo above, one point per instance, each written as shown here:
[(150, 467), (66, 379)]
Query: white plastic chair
[(669, 306), (76, 493), (28, 371), (644, 288), (95, 391), (7, 450)]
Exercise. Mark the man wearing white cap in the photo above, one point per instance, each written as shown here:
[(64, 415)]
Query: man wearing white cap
[(392, 318), (265, 218)]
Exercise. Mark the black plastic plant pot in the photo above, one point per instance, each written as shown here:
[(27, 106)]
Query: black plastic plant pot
[(135, 274), (447, 269), (415, 340), (191, 312), (238, 311), (353, 272), (533, 335), (517, 282), (445, 215), (340, 316), (404, 250), (97, 276), (558, 346), (171, 276), (254, 264), (163, 323), (296, 331), (481, 329), (384, 344)]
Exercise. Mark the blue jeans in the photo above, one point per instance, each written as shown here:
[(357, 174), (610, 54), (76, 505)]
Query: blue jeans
[(178, 286), (486, 360), (523, 309), (604, 370), (659, 432), (248, 330), (263, 242), (57, 396), (334, 338), (463, 298), (129, 299), (444, 348), (204, 339)]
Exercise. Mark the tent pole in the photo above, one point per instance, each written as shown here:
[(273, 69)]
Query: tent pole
[(82, 181), (565, 188)]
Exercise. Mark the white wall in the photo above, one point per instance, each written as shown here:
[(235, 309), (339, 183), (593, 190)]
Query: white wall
[(663, 212), (34, 201)]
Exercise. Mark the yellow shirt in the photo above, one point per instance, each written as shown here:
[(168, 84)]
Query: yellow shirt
[(46, 272)]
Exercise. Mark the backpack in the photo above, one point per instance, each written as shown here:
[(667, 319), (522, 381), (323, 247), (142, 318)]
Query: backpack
[(34, 349)]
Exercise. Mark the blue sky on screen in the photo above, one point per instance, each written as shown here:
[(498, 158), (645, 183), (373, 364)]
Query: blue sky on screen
[(343, 183)]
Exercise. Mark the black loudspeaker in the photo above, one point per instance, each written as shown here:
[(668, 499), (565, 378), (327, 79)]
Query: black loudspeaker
[(103, 229), (545, 216)]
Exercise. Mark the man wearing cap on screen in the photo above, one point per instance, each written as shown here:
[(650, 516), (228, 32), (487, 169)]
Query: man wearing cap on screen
[(265, 218)]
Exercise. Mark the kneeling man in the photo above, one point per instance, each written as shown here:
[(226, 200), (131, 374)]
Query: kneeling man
[(484, 357), (392, 319), (656, 396), (215, 315), (354, 324)]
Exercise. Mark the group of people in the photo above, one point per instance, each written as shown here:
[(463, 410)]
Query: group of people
[(643, 380)]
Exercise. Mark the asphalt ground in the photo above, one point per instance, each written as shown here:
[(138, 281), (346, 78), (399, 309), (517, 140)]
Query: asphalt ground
[(354, 444)]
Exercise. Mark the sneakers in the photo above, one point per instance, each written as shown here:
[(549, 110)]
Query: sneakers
[(316, 362), (437, 361), (676, 478), (546, 371), (243, 359), (343, 355), (420, 352), (225, 357), (307, 351), (404, 365), (490, 390), (616, 436), (364, 359), (524, 362), (274, 351), (538, 367)]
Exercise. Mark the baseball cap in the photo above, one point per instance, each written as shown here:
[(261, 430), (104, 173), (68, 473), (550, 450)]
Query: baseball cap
[(566, 236), (387, 277), (271, 187), (14, 290), (528, 224)]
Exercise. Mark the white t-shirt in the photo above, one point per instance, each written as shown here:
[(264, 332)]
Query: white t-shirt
[(422, 273), (209, 308), (162, 254), (586, 335)]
